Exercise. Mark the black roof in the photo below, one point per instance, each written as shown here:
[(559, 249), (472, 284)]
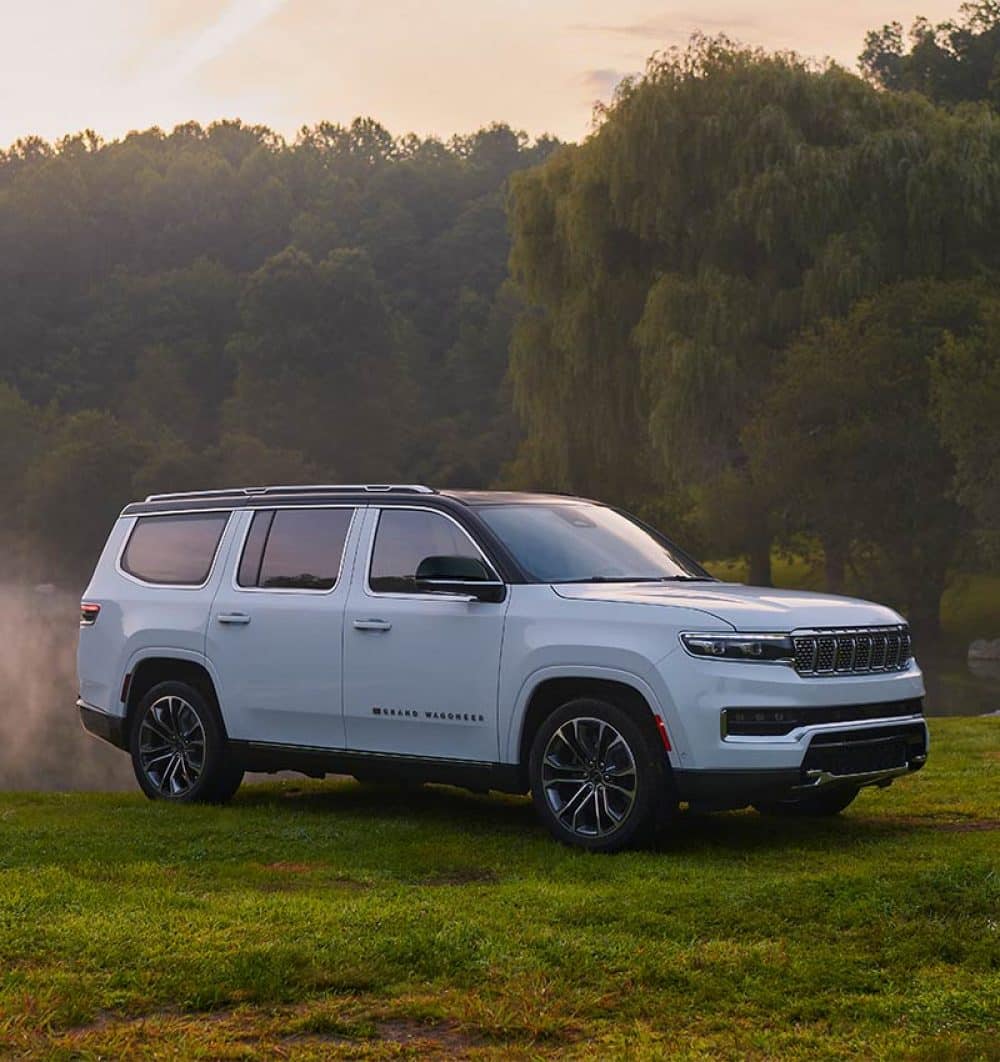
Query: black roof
[(389, 494)]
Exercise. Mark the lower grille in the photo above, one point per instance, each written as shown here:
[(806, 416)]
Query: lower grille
[(852, 650), (866, 751)]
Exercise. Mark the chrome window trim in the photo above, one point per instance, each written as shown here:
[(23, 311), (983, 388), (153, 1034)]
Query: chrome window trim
[(291, 589), (399, 596), (119, 568)]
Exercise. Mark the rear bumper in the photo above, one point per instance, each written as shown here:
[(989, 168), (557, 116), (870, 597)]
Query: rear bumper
[(110, 728)]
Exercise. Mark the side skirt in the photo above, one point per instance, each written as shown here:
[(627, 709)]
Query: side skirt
[(316, 762)]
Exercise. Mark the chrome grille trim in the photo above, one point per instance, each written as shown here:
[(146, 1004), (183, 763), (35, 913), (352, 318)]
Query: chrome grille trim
[(851, 650)]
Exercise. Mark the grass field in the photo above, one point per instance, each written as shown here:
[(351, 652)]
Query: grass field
[(332, 920)]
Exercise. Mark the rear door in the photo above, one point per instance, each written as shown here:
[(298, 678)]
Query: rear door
[(275, 634), (420, 669)]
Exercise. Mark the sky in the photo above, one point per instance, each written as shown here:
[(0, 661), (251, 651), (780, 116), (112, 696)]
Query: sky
[(430, 67)]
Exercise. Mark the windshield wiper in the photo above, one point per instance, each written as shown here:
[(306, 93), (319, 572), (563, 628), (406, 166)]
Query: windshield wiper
[(614, 579), (641, 579)]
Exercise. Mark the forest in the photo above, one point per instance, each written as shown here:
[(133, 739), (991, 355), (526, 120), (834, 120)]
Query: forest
[(757, 305)]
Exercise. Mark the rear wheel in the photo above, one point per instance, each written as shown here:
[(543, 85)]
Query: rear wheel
[(826, 802), (599, 780), (179, 748)]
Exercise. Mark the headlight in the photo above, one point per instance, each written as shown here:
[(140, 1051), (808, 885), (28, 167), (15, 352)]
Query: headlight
[(747, 647)]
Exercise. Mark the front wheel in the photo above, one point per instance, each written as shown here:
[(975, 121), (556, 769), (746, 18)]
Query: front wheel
[(599, 780), (179, 749), (825, 803)]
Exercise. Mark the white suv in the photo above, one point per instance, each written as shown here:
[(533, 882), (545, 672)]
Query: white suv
[(490, 640)]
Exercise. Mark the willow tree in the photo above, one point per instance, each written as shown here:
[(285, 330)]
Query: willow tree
[(847, 438), (729, 200), (966, 394)]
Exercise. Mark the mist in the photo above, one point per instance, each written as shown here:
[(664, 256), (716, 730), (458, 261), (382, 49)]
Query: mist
[(42, 744)]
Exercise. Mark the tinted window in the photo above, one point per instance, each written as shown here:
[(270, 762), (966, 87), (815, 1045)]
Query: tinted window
[(579, 542), (302, 548), (178, 550), (253, 549), (404, 538)]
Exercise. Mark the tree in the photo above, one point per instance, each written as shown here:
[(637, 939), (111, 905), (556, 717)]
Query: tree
[(145, 279), (317, 370), (846, 439), (966, 392), (730, 200), (75, 488), (953, 62)]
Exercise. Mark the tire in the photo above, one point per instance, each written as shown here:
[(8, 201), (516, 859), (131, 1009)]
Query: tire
[(599, 779), (824, 804), (179, 749)]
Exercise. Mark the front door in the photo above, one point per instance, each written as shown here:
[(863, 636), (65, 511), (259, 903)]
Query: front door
[(275, 633), (420, 669)]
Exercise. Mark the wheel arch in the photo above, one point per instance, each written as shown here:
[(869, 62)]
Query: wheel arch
[(549, 693), (153, 669)]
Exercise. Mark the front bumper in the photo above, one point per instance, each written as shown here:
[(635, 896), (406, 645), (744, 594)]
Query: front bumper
[(850, 758), (110, 728)]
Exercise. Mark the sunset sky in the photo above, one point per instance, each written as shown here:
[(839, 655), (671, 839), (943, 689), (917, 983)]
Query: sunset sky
[(435, 66)]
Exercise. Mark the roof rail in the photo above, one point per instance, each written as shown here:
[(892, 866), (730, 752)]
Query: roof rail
[(311, 488)]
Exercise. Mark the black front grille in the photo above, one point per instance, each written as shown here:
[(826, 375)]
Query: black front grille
[(866, 751), (777, 721), (852, 650)]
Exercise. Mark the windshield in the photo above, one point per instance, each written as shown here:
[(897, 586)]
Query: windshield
[(575, 542)]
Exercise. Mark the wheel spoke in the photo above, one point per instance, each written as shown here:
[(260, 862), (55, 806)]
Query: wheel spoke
[(149, 723), (613, 815), (571, 740), (567, 772), (573, 805)]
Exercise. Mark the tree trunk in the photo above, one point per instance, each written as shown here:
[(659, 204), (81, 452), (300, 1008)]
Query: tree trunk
[(834, 563), (924, 613), (760, 563)]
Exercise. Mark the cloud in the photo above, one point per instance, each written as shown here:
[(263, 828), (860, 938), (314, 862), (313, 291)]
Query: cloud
[(602, 82), (180, 39), (676, 27), (237, 18)]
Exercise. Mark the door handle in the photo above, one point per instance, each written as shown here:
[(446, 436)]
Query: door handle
[(233, 617), (372, 625)]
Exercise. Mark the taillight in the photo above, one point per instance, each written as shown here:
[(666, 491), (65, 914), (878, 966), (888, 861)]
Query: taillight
[(89, 613)]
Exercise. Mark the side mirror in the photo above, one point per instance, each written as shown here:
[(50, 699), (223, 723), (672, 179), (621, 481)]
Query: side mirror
[(467, 576)]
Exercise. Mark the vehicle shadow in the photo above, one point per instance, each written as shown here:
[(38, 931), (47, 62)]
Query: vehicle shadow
[(688, 833)]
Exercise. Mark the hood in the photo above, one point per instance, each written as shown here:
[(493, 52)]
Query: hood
[(747, 608)]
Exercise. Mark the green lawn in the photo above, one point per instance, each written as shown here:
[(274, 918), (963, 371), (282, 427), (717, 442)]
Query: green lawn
[(319, 920)]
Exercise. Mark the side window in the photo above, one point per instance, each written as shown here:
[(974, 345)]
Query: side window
[(177, 550), (294, 549), (403, 539), (253, 549)]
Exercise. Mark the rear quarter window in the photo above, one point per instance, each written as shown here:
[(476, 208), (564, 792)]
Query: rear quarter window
[(175, 550)]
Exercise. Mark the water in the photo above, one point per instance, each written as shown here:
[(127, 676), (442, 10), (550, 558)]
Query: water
[(958, 686)]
